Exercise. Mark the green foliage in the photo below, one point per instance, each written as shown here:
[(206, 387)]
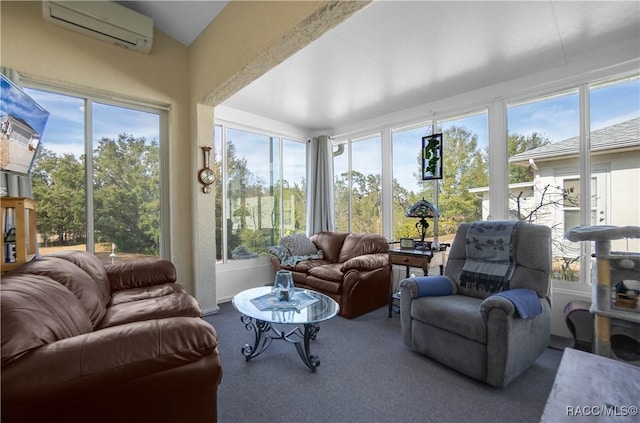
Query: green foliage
[(253, 202), (58, 188), (125, 190), (464, 167)]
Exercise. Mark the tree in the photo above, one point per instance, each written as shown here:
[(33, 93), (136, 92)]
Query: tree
[(58, 188), (465, 167), (126, 193)]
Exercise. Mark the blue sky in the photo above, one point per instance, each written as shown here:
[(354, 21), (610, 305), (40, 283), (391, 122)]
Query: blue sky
[(64, 132)]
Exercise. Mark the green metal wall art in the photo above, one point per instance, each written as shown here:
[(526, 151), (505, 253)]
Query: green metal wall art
[(432, 157)]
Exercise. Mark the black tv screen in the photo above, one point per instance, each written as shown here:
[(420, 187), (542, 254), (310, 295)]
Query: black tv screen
[(22, 122)]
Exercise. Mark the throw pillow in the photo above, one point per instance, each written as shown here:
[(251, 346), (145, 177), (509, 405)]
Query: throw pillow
[(434, 286), (299, 245)]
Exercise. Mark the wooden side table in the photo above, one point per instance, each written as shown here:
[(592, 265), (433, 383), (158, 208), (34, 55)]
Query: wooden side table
[(410, 258)]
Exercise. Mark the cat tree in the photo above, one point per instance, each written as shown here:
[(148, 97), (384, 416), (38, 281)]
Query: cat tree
[(615, 315)]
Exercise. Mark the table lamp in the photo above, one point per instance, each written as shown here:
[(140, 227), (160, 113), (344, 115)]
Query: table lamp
[(422, 209)]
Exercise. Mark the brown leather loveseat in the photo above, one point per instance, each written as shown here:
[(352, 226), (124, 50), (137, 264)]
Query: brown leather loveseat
[(353, 270), (85, 342)]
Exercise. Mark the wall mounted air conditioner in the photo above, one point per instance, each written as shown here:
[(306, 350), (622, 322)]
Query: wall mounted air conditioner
[(104, 20)]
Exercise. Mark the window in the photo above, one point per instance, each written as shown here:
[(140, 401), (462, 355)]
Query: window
[(294, 188), (466, 167), (546, 151), (408, 186), (358, 186), (615, 145), (119, 212), (261, 191)]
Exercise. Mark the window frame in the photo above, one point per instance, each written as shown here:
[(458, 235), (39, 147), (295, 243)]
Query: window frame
[(89, 98), (224, 125)]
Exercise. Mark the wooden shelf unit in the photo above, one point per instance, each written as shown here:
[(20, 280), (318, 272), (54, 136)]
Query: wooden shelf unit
[(18, 213)]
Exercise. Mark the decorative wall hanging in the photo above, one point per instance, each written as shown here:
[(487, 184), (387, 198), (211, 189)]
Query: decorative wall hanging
[(432, 157)]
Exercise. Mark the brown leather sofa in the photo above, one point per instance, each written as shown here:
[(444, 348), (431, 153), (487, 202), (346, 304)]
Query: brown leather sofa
[(85, 342), (353, 270)]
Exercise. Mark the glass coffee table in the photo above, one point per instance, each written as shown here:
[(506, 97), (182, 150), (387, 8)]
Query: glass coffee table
[(305, 319)]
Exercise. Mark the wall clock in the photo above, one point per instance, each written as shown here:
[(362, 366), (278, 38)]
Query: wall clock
[(206, 175)]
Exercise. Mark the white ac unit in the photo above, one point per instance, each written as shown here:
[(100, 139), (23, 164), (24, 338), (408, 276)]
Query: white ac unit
[(104, 20)]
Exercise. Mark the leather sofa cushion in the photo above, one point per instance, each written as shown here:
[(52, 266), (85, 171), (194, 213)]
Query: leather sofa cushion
[(90, 264), (360, 244), (174, 305), (140, 273), (306, 265), (330, 243), (75, 279), (144, 293), (457, 314), (330, 272), (366, 262), (324, 286), (104, 359), (37, 311)]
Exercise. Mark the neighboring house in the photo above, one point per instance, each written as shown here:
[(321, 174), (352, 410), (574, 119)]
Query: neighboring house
[(615, 170)]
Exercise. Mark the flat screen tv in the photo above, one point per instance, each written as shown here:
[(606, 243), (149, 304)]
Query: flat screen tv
[(22, 122)]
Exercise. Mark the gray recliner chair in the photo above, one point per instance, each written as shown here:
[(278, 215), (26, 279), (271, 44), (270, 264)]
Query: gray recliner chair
[(489, 316)]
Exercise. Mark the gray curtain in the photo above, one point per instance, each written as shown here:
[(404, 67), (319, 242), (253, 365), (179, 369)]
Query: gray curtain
[(11, 184), (320, 207)]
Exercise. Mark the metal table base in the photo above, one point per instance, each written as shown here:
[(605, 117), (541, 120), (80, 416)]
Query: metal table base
[(265, 333)]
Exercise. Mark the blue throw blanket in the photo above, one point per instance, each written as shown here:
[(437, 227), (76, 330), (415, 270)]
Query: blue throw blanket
[(489, 247), (525, 301)]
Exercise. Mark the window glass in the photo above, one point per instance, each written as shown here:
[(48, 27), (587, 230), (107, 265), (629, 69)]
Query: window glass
[(58, 174), (342, 187), (126, 181), (543, 152), (124, 220), (615, 141), (358, 186), (408, 186), (255, 206), (252, 173), (366, 186), (466, 173), (216, 158), (294, 188)]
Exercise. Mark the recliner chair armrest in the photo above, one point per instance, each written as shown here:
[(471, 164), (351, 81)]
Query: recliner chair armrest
[(140, 273), (429, 286), (496, 301), (366, 262)]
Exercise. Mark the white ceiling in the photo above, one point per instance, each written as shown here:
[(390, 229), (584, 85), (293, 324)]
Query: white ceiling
[(393, 55), (183, 20)]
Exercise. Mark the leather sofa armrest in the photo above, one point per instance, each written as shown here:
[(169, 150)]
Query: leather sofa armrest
[(275, 262), (366, 262), (140, 273), (109, 357), (496, 301)]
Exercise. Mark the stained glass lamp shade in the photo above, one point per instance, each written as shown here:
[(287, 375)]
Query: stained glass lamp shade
[(422, 209)]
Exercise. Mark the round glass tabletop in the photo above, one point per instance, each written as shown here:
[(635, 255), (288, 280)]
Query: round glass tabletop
[(256, 303)]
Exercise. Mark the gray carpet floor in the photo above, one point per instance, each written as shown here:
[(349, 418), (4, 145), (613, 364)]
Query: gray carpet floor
[(366, 375)]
